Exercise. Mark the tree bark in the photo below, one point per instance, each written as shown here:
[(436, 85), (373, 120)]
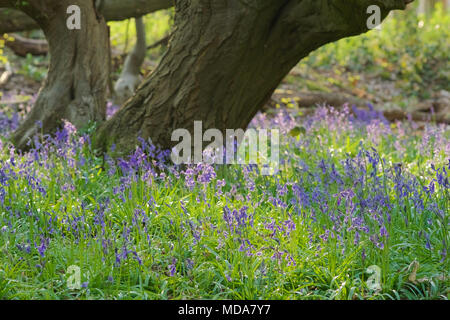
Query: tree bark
[(76, 85), (114, 10), (224, 61)]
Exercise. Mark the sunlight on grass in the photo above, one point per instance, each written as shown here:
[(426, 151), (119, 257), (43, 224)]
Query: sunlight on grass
[(416, 57)]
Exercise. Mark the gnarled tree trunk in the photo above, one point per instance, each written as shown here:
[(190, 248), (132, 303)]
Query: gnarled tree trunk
[(76, 85), (15, 21), (225, 60)]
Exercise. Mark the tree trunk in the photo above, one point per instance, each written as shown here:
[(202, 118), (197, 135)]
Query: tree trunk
[(224, 61), (76, 85), (15, 21)]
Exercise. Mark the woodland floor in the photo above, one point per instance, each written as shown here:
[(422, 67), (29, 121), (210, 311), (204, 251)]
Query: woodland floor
[(303, 88)]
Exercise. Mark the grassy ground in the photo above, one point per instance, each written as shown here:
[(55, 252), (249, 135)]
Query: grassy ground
[(360, 209), (353, 193)]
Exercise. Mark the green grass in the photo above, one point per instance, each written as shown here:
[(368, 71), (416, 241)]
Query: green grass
[(57, 194)]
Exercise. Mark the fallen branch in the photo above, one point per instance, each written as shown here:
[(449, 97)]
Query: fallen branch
[(307, 101), (163, 42), (114, 10), (399, 115), (22, 46), (14, 102)]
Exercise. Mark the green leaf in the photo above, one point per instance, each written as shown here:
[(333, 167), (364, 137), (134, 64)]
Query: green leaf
[(297, 131)]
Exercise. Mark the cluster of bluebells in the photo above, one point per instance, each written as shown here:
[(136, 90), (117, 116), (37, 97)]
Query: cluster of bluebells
[(349, 196), (8, 123)]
